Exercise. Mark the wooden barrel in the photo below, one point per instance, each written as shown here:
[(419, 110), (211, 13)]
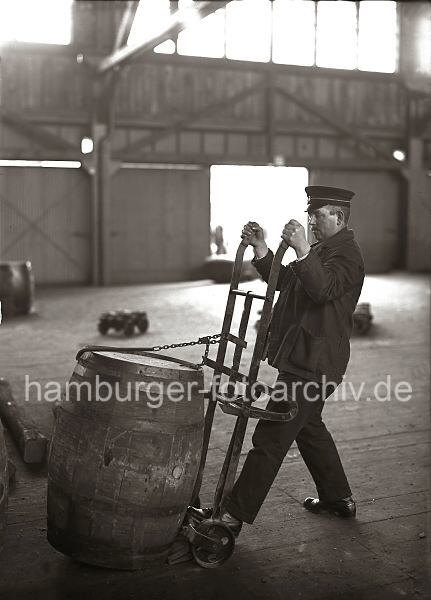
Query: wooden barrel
[(4, 485), (16, 288), (124, 458)]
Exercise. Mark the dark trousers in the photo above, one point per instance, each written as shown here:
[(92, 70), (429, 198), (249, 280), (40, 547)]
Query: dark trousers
[(271, 441)]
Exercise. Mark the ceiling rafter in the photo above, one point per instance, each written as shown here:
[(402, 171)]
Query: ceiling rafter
[(38, 134), (126, 24), (335, 122)]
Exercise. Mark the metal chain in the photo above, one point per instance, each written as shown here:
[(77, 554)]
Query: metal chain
[(207, 340)]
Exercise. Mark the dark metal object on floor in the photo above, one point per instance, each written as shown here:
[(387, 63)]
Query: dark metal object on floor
[(16, 288), (4, 487), (362, 318), (121, 473), (127, 321), (30, 442)]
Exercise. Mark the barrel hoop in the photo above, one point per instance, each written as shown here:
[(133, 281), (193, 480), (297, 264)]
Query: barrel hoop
[(89, 360), (85, 375), (140, 425), (79, 546), (123, 508)]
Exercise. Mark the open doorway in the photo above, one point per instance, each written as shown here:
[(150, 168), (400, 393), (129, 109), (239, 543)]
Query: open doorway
[(268, 195)]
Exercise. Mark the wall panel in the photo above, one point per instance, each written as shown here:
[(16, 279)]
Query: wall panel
[(45, 218), (160, 224), (376, 215)]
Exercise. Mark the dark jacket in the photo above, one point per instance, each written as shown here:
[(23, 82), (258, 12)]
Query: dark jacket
[(313, 317)]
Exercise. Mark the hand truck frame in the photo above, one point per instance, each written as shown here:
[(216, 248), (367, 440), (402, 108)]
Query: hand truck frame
[(212, 542)]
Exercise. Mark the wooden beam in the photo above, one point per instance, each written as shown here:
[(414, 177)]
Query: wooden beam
[(126, 24), (178, 123), (334, 122), (205, 63), (348, 164), (38, 134), (174, 25)]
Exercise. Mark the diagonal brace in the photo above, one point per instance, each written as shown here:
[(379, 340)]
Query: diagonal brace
[(334, 122), (178, 123), (37, 133)]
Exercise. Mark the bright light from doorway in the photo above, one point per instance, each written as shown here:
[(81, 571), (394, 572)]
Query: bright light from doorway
[(38, 21), (269, 195)]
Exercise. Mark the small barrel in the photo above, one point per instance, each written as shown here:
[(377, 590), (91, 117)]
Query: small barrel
[(124, 458), (16, 288), (4, 487)]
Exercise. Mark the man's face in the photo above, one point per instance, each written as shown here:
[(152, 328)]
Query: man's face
[(323, 224)]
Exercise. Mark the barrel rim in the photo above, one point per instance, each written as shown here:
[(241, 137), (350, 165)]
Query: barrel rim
[(183, 366)]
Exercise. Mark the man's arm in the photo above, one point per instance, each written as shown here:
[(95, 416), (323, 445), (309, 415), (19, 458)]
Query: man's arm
[(325, 281), (263, 267)]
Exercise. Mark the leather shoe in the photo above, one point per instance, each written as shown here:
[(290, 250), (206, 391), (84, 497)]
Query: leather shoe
[(234, 524), (345, 507)]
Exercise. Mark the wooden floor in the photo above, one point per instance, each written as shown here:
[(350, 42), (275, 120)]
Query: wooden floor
[(288, 553)]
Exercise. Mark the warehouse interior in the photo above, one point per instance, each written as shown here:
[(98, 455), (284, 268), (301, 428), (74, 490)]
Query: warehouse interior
[(136, 139)]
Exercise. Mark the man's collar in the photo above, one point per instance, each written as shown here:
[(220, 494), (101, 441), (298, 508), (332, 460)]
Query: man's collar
[(338, 238)]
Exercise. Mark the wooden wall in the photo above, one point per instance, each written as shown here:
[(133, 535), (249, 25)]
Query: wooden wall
[(186, 110), (190, 110), (45, 218), (377, 215), (160, 224)]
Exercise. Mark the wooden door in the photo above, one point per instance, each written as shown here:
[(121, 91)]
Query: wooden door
[(160, 224)]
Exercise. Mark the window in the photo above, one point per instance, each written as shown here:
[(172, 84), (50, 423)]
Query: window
[(335, 34), (336, 41), (424, 47), (41, 21), (377, 44), (248, 30), (150, 19), (205, 38), (293, 32)]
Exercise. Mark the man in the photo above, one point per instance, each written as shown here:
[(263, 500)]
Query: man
[(309, 345)]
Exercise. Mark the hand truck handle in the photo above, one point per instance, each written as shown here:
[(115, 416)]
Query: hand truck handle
[(265, 316)]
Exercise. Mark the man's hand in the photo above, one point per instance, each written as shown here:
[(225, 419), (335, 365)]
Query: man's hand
[(294, 235), (252, 233)]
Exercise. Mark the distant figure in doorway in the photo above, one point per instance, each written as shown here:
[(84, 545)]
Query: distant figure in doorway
[(219, 241), (309, 345)]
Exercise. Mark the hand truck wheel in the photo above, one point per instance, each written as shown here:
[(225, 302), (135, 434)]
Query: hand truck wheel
[(223, 544)]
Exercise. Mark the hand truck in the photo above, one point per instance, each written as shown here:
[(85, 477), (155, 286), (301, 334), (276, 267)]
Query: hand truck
[(211, 540)]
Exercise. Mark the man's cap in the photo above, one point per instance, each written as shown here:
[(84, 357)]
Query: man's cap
[(321, 195)]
